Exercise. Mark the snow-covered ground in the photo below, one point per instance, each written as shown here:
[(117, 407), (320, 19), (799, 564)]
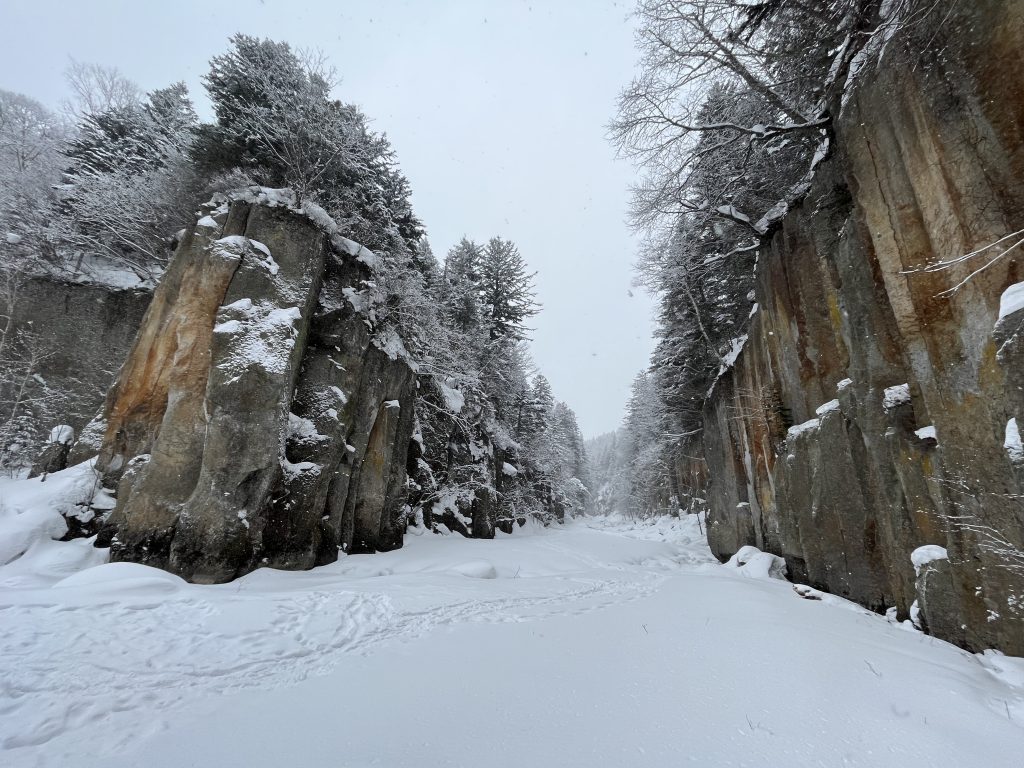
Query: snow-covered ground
[(601, 643)]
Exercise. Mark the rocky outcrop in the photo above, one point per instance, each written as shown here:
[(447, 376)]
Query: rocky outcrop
[(867, 413), (255, 420), (83, 332)]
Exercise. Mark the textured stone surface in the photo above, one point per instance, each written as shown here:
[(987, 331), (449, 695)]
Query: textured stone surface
[(926, 168), (85, 331), (260, 424)]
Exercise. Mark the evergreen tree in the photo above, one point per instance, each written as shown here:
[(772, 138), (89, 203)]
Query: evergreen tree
[(276, 121), (507, 291), (462, 278), (129, 182)]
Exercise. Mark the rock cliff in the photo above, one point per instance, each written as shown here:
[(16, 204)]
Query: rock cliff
[(872, 408), (255, 420), (83, 331)]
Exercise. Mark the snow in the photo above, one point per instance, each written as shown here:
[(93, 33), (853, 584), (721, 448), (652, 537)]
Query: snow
[(31, 514), (453, 398), (302, 430), (735, 347), (296, 469), (606, 642), (64, 434), (895, 396), (13, 238), (1012, 300), (100, 269), (361, 301), (921, 556), (508, 469), (261, 247), (798, 429), (926, 433), (755, 564), (244, 246), (264, 335), (732, 213), (241, 305), (831, 405), (285, 198), (1012, 442), (390, 343), (231, 326)]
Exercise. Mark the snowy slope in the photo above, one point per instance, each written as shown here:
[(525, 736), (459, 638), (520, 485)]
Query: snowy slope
[(599, 644)]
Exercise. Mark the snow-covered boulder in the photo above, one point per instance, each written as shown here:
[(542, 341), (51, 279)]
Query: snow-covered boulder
[(752, 562)]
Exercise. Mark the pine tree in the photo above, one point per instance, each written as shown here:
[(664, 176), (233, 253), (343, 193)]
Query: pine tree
[(129, 182), (276, 121), (507, 291), (462, 279)]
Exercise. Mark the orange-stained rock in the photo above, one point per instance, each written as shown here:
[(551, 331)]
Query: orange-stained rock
[(926, 168), (213, 407)]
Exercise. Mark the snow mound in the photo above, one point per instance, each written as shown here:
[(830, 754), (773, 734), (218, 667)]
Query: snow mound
[(476, 569), (124, 577), (752, 562), (33, 510)]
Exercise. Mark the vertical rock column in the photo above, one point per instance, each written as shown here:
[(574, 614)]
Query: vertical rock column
[(257, 421)]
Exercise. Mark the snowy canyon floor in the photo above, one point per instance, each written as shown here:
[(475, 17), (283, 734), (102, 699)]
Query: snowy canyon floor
[(599, 643)]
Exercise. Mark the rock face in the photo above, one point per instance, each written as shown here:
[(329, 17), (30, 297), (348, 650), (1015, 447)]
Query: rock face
[(254, 421), (85, 331), (867, 413)]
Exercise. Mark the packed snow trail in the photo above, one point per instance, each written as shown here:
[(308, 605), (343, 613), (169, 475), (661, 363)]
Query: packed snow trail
[(600, 643)]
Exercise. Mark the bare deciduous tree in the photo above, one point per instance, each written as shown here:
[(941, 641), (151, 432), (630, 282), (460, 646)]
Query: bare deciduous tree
[(96, 89)]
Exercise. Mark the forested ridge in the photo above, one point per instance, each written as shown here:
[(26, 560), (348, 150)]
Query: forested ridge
[(97, 191)]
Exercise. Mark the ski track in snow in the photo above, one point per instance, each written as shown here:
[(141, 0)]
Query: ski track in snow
[(77, 662)]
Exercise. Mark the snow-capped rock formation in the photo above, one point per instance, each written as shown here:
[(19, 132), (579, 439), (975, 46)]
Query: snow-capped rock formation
[(258, 419)]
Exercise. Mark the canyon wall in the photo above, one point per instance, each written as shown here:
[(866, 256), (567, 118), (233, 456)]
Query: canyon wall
[(257, 419), (871, 409), (83, 332)]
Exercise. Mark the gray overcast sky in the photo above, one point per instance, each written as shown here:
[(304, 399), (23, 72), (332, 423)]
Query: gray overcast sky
[(497, 111)]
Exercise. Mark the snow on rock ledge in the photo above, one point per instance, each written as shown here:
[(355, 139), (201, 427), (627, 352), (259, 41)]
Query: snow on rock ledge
[(896, 396), (1012, 300), (921, 556)]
